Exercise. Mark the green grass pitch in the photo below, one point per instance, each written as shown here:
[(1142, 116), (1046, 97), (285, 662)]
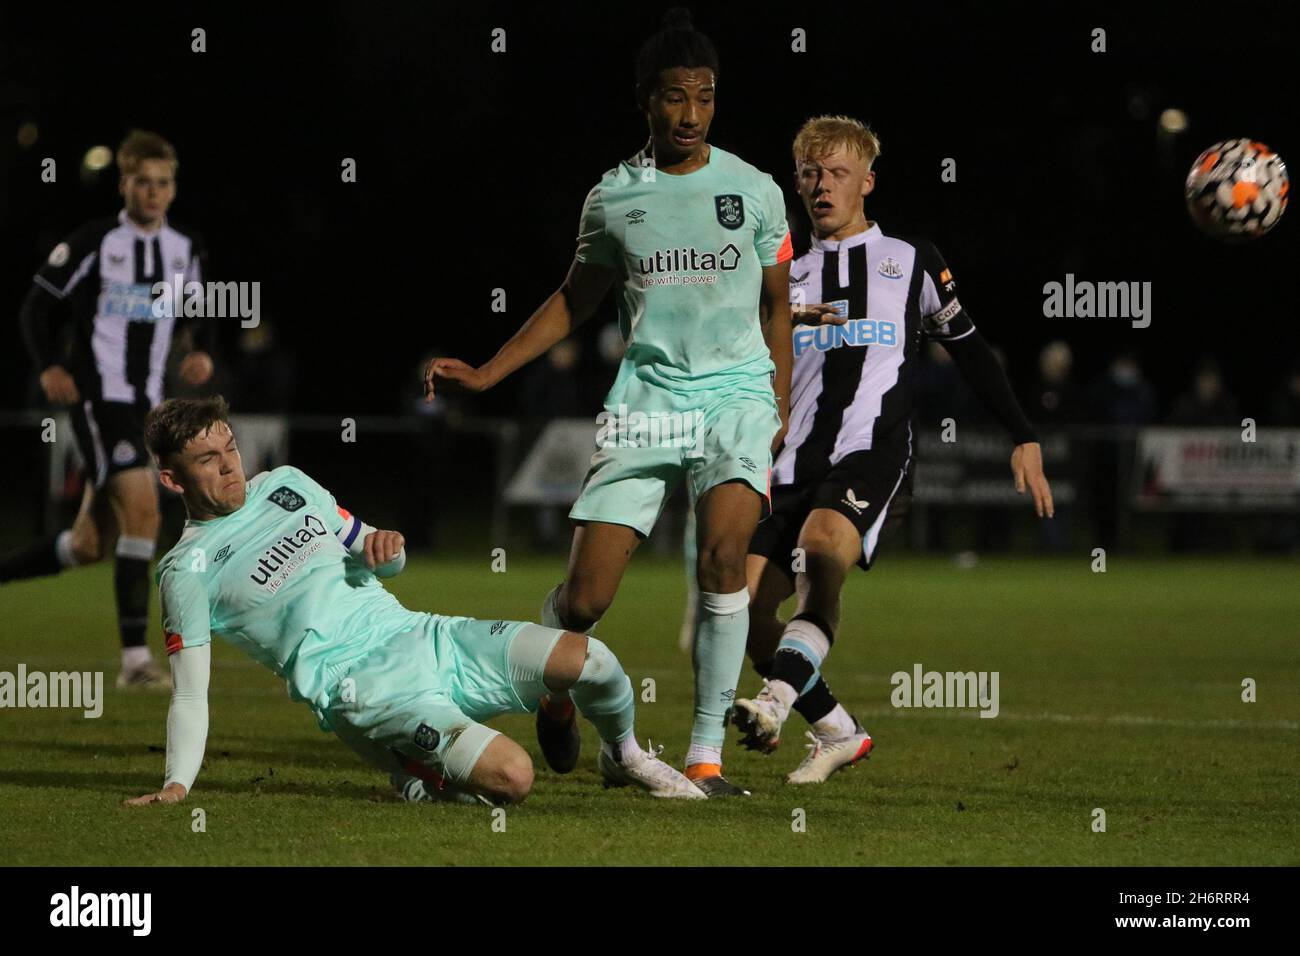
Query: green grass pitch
[(1120, 691)]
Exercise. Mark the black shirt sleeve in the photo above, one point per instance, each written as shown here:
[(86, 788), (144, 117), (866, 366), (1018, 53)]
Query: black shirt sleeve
[(988, 380)]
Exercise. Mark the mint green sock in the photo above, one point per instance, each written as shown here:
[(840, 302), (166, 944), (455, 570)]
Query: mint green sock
[(722, 627), (603, 693)]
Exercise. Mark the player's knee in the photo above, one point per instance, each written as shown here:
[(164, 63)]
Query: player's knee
[(722, 565), (86, 548), (513, 779), (141, 521), (600, 663), (584, 604)]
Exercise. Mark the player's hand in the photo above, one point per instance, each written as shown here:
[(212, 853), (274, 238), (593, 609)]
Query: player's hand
[(454, 370), (196, 368), (815, 315), (172, 793), (382, 547), (1027, 467), (58, 386)]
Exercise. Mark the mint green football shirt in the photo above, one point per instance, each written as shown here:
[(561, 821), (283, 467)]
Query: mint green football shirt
[(689, 251), (275, 579)]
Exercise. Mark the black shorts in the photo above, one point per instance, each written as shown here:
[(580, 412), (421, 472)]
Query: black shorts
[(110, 437), (872, 489)]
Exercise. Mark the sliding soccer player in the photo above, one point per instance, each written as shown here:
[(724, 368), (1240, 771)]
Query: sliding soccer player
[(277, 568), (863, 301), (101, 277), (696, 241)]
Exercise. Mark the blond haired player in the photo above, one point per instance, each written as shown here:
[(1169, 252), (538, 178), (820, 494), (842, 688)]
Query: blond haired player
[(100, 280), (863, 301)]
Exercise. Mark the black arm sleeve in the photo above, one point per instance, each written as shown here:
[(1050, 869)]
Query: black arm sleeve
[(987, 379), (38, 316)]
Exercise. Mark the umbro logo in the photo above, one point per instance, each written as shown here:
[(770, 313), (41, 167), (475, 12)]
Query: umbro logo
[(796, 280), (221, 554), (636, 217), (748, 465), (852, 501), (117, 260), (497, 628)]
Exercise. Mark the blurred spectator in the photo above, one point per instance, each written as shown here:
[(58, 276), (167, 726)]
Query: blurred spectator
[(552, 388), (427, 477), (1286, 404), (265, 374), (1122, 396), (1208, 402), (1056, 399)]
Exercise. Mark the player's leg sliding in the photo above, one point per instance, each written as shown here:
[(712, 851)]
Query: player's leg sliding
[(718, 653), (542, 659)]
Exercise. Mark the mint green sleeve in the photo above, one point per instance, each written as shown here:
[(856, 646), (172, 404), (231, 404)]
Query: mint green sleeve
[(186, 617), (773, 238), (336, 518), (595, 245), (347, 527)]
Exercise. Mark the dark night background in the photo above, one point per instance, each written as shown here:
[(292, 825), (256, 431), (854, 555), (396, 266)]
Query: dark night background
[(472, 166)]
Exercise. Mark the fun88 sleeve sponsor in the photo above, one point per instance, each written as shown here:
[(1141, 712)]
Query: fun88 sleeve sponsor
[(854, 385)]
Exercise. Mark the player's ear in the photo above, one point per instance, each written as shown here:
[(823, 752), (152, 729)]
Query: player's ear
[(868, 183), (167, 478)]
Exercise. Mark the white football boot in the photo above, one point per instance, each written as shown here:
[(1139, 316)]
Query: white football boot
[(828, 754), (760, 720), (647, 771)]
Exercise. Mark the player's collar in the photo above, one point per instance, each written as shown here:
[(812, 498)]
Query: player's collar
[(131, 224), (858, 238), (645, 158)]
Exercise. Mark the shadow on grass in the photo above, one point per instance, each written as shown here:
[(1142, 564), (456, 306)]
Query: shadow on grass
[(127, 785), (328, 754)]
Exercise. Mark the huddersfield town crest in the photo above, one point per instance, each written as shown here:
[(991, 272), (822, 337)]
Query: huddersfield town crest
[(731, 210), (287, 498), (426, 738)]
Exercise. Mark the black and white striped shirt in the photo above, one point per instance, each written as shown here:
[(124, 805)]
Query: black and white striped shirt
[(105, 272), (854, 385)]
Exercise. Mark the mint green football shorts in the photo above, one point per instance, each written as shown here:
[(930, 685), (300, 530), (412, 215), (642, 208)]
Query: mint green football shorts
[(416, 703), (726, 437)]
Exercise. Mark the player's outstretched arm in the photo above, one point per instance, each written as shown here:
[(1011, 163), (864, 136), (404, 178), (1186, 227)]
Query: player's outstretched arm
[(187, 725), (564, 311), (981, 369)]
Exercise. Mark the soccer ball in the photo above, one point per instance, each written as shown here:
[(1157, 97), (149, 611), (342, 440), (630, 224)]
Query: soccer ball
[(1237, 189)]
